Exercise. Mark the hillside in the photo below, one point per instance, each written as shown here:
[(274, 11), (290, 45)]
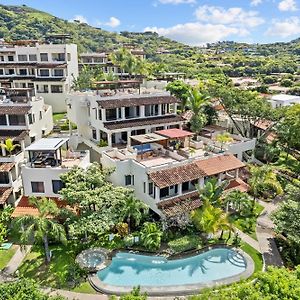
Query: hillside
[(22, 22)]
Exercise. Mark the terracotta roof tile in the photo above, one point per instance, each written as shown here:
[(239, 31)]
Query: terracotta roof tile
[(237, 184), (174, 133), (172, 176), (135, 101), (219, 164), (142, 122), (4, 194), (25, 208), (14, 109), (6, 167)]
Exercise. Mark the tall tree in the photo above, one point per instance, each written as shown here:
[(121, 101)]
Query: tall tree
[(179, 89), (39, 228)]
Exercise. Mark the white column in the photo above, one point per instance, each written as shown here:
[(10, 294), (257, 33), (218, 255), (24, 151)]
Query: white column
[(103, 114), (159, 109), (7, 120), (109, 139), (180, 189), (123, 113), (237, 173), (157, 193), (220, 178), (201, 182), (128, 138), (142, 111)]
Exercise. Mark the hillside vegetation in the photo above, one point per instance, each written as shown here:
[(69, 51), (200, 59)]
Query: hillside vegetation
[(22, 22)]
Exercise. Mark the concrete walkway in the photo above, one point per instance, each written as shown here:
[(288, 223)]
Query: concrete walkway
[(265, 235), (74, 296), (16, 260), (248, 239)]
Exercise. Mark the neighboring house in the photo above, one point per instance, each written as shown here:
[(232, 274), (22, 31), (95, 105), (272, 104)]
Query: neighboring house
[(164, 168), (114, 119), (103, 62), (47, 68), (281, 100), (23, 119), (47, 159)]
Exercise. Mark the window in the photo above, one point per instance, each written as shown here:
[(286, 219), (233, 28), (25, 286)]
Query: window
[(44, 73), (151, 188), (69, 56), (56, 89), (43, 89), (18, 120), (32, 57), (30, 119), (94, 134), (37, 187), (10, 58), (32, 139), (144, 186), (1, 72), (44, 56), (41, 115), (23, 72), (151, 110), (22, 57), (3, 120), (11, 71), (58, 56), (111, 114), (1, 58), (57, 185), (100, 114), (4, 178), (129, 179), (59, 72)]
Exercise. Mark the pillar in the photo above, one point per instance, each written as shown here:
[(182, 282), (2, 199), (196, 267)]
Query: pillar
[(123, 113), (109, 140), (142, 111), (128, 138), (157, 193)]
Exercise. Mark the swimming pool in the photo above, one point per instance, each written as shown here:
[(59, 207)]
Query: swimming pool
[(150, 272)]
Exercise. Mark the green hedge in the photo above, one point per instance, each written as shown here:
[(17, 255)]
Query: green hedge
[(185, 243)]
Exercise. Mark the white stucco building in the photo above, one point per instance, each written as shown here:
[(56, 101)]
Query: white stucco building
[(24, 118), (47, 159), (281, 100), (112, 119), (48, 68)]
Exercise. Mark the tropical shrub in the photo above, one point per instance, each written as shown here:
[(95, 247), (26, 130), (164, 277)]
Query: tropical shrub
[(151, 236)]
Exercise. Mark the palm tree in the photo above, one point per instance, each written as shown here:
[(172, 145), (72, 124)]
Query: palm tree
[(120, 57), (239, 201), (9, 146), (224, 138), (263, 179), (196, 102), (151, 236), (133, 211), (39, 228), (210, 219), (212, 191)]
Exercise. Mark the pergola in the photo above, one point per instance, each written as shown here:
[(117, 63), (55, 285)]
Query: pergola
[(175, 134), (143, 141), (117, 84)]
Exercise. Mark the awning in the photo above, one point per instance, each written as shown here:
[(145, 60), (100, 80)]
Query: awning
[(4, 194), (148, 138), (174, 133)]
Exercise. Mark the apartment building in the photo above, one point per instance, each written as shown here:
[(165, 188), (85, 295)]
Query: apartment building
[(113, 117), (165, 166), (24, 118), (47, 68)]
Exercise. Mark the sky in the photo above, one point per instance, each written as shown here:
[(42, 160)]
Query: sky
[(194, 22)]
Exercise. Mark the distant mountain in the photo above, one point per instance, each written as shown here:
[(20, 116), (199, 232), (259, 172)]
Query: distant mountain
[(22, 22)]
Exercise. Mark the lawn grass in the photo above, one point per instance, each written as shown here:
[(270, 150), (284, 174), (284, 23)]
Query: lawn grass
[(56, 273), (255, 255), (6, 255), (85, 288), (241, 222), (58, 116)]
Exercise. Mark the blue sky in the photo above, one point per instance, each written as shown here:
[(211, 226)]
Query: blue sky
[(194, 22)]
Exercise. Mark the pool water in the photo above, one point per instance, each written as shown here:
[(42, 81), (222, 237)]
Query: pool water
[(128, 269)]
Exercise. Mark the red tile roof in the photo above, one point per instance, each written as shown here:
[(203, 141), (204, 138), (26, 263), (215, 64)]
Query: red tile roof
[(176, 175), (25, 208), (136, 101), (14, 110), (4, 194), (237, 184), (174, 133), (219, 164), (142, 122)]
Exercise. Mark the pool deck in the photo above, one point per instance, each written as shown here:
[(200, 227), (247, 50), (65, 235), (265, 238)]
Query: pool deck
[(176, 290)]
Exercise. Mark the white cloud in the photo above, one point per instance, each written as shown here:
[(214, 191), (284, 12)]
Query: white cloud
[(233, 16), (80, 19), (177, 1), (255, 2), (198, 34), (284, 28), (113, 22), (287, 5)]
